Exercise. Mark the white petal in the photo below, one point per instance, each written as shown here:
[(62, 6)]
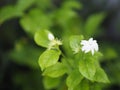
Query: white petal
[(90, 40), (84, 42), (86, 51), (50, 37), (94, 41), (92, 51), (83, 48), (95, 46), (86, 48)]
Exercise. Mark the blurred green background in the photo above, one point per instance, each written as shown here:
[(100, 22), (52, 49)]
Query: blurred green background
[(19, 19)]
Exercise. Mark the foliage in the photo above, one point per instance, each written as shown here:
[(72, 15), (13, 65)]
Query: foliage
[(86, 66), (64, 66)]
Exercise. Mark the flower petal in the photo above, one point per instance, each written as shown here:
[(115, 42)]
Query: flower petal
[(50, 37), (84, 42)]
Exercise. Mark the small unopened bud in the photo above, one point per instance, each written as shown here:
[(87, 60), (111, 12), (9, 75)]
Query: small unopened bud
[(50, 37)]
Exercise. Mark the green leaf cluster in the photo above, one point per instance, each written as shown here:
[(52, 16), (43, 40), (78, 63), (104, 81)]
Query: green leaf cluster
[(81, 69), (66, 64), (25, 54), (13, 11)]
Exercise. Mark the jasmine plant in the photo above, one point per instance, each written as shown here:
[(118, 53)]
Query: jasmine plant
[(82, 68)]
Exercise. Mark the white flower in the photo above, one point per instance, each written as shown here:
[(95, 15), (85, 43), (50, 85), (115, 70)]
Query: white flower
[(90, 45), (50, 37), (53, 41)]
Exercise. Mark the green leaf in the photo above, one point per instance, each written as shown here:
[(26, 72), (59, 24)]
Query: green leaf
[(55, 70), (84, 85), (100, 76), (24, 79), (97, 86), (26, 54), (41, 38), (64, 15), (98, 55), (72, 4), (49, 58), (24, 4), (87, 67), (44, 4), (93, 22), (9, 12), (110, 53), (73, 79), (50, 83), (35, 20), (75, 42)]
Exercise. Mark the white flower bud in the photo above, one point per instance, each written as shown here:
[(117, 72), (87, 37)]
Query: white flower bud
[(50, 37)]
